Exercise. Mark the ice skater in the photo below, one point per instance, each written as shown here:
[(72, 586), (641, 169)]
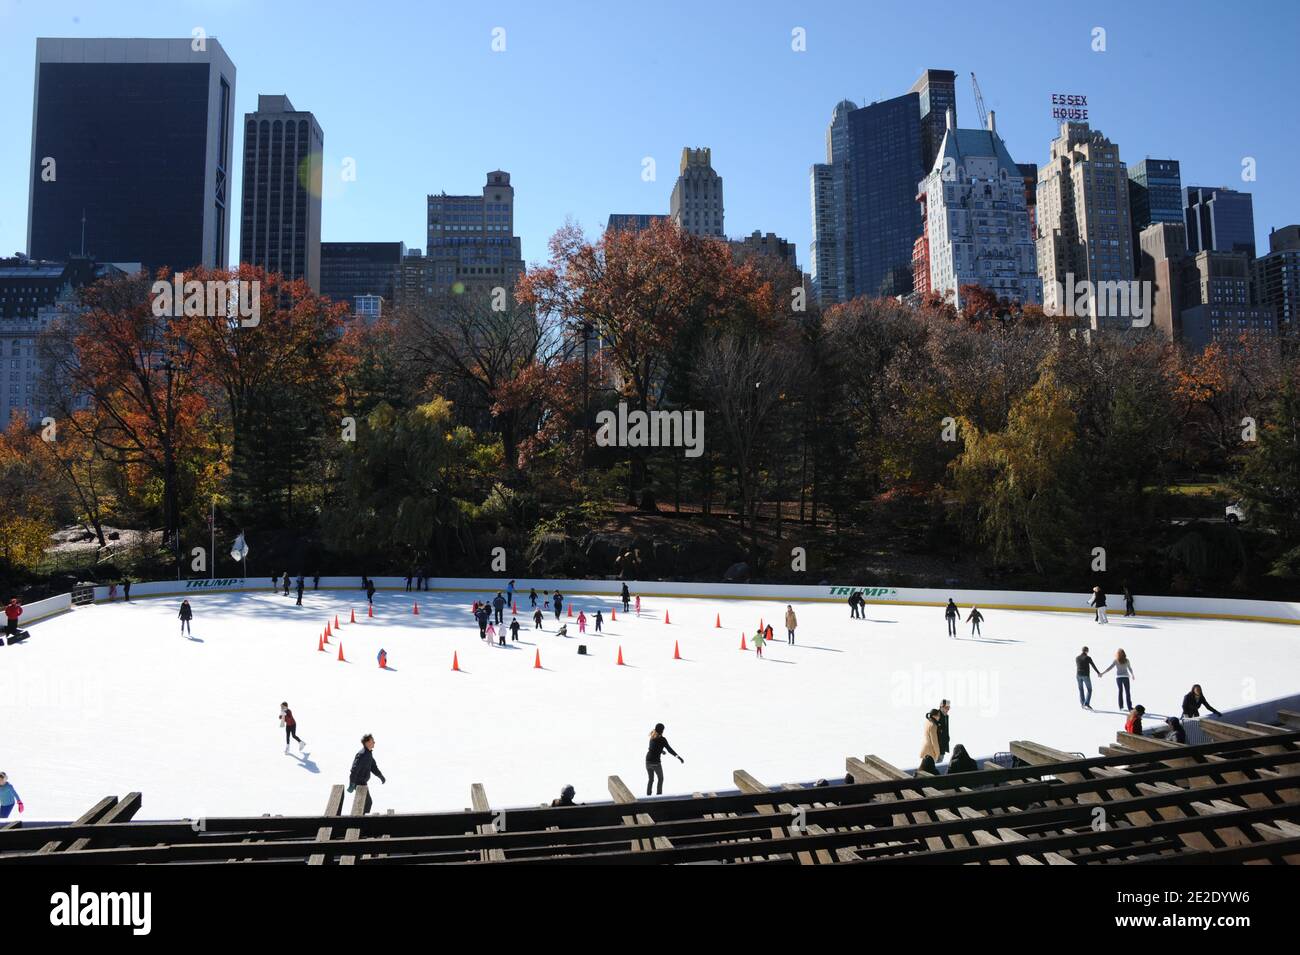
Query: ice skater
[(290, 728), (302, 585), (514, 629), (8, 797), (857, 603), (363, 764), (492, 632), (1084, 678), (370, 591), (186, 615), (501, 636), (627, 598), (510, 595), (532, 597), (1123, 668), (791, 622), (654, 758), (759, 640), (974, 620), (1099, 602), (558, 603), (952, 615), (286, 583), (638, 606), (582, 622), (1193, 702), (600, 619), (1134, 722), (13, 610), (563, 631), (499, 607), (1128, 602), (537, 618), (930, 739)]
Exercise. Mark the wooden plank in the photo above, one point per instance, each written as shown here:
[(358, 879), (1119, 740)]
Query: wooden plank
[(479, 801), (333, 807), (748, 784), (360, 806), (88, 818), (124, 811)]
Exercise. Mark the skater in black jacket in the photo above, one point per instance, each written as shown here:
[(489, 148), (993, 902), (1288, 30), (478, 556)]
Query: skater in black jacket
[(186, 616), (363, 764), (514, 628), (599, 620), (499, 605), (1084, 678), (532, 597), (558, 601), (975, 619), (537, 618), (484, 616), (370, 591), (1193, 702), (302, 583), (627, 598), (952, 615), (654, 756)]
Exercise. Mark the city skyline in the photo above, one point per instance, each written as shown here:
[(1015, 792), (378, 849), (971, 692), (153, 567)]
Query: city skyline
[(763, 136)]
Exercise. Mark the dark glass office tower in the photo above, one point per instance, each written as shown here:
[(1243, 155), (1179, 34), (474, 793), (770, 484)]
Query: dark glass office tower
[(937, 94), (349, 269), (135, 136), (885, 150), (1155, 195), (280, 216), (1219, 220)]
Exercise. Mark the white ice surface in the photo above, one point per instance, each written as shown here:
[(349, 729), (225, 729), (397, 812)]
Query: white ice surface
[(110, 699)]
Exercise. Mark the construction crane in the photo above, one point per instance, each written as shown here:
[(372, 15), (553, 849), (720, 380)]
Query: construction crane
[(979, 102)]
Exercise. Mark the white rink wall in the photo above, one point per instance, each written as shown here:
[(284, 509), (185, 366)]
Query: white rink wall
[(1268, 611)]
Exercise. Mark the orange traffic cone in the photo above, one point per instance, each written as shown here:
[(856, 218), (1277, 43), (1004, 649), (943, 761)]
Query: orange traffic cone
[(341, 660), (718, 622), (742, 642), (665, 616), (383, 661), (570, 610), (677, 654), (327, 630), (514, 607), (455, 661), (620, 656), (613, 615), (370, 610), (537, 661), (354, 616), (760, 624), (416, 609), (336, 621), (320, 643), (323, 638)]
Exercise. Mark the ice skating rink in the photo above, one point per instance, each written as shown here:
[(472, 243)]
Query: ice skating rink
[(110, 699)]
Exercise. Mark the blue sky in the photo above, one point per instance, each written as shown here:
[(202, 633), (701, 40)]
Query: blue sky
[(584, 91)]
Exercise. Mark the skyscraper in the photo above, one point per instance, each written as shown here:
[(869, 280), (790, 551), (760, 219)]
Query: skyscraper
[(696, 204), (1219, 220), (1277, 277), (832, 208), (1084, 226), (1155, 194), (977, 226), (353, 270), (471, 241), (936, 92), (131, 151), (885, 151), (280, 223), (1217, 297), (632, 221)]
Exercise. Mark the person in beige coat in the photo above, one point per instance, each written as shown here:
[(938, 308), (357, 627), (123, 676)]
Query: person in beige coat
[(930, 743), (790, 623)]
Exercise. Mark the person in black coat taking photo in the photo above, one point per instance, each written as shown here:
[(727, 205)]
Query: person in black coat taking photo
[(363, 764), (654, 758)]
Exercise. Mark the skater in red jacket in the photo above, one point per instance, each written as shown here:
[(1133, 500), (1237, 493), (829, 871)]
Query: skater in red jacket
[(13, 610)]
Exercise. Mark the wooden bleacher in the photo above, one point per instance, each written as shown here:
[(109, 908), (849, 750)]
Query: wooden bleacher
[(1144, 801)]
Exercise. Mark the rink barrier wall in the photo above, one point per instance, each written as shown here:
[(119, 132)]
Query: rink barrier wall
[(44, 609), (1234, 609)]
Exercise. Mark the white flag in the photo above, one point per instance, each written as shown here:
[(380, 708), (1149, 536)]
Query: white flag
[(239, 549)]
